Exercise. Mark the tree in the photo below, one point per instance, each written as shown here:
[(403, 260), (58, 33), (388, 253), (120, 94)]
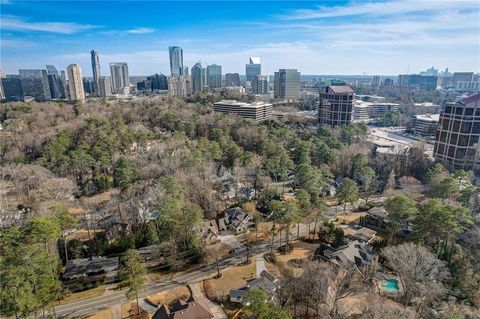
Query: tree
[(391, 118), (347, 193), (422, 275), (125, 173), (43, 229), (366, 177), (400, 209), (290, 214), (436, 223), (330, 234), (255, 303), (65, 220), (133, 274)]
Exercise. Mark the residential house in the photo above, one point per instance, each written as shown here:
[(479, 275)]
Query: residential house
[(209, 232), (82, 271), (376, 218), (266, 282), (354, 252), (236, 220), (362, 234), (191, 309)]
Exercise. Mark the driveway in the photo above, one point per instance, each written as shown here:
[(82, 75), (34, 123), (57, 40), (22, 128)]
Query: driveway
[(216, 309), (230, 239)]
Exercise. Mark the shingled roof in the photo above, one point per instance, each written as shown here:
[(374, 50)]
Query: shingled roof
[(340, 89)]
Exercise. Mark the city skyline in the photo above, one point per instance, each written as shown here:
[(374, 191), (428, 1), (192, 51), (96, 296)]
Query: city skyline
[(330, 38)]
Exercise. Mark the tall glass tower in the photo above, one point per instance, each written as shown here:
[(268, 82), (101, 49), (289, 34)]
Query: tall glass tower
[(95, 72), (253, 69), (176, 61)]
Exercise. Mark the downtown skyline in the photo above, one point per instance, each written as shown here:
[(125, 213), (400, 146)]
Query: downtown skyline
[(316, 38)]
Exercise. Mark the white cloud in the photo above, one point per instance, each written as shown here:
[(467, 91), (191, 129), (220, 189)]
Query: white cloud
[(19, 24), (379, 9), (140, 30), (12, 43)]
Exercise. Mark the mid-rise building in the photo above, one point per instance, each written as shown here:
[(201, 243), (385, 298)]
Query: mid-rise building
[(417, 81), (468, 87), (461, 77), (159, 82), (376, 81), (214, 76), (176, 61), (144, 86), (105, 86), (232, 79), (425, 125), (388, 82), (12, 88), (75, 84), (257, 111), (35, 84), (120, 76), (336, 105), (260, 84), (287, 84), (253, 68), (96, 72), (457, 140)]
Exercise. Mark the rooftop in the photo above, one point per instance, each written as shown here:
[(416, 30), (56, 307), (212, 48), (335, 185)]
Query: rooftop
[(241, 104), (471, 99), (428, 117), (341, 89), (82, 267)]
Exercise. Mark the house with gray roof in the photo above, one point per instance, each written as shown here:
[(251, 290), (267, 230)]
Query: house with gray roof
[(266, 282), (78, 271), (354, 252), (236, 220)]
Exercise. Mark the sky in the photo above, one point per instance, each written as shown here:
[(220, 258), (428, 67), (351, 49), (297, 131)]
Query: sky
[(327, 37)]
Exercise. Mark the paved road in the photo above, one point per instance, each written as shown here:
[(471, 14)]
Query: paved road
[(197, 273)]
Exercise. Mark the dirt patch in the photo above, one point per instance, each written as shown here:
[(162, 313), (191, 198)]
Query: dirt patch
[(167, 297), (349, 218)]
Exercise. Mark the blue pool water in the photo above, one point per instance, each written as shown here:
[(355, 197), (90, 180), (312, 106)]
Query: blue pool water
[(390, 285)]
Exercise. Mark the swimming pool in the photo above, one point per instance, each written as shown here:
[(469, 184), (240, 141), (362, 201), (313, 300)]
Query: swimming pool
[(390, 285)]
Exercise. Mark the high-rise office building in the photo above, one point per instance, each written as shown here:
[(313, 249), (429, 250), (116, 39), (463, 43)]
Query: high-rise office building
[(120, 76), (287, 84), (418, 81), (197, 79), (204, 79), (95, 72), (253, 68), (178, 86), (457, 144), (176, 61), (336, 105), (57, 87), (376, 81), (461, 76), (214, 76), (232, 79), (159, 82), (35, 84), (260, 84), (88, 86), (75, 84), (12, 88), (105, 86)]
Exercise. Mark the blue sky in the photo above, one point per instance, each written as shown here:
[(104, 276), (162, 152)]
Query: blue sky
[(335, 37)]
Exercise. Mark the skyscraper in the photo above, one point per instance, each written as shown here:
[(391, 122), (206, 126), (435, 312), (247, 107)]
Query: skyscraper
[(35, 83), (214, 76), (159, 82), (376, 81), (457, 143), (95, 72), (253, 68), (260, 84), (57, 86), (336, 105), (287, 84), (232, 79), (105, 86), (75, 83), (176, 61), (197, 80), (120, 76)]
